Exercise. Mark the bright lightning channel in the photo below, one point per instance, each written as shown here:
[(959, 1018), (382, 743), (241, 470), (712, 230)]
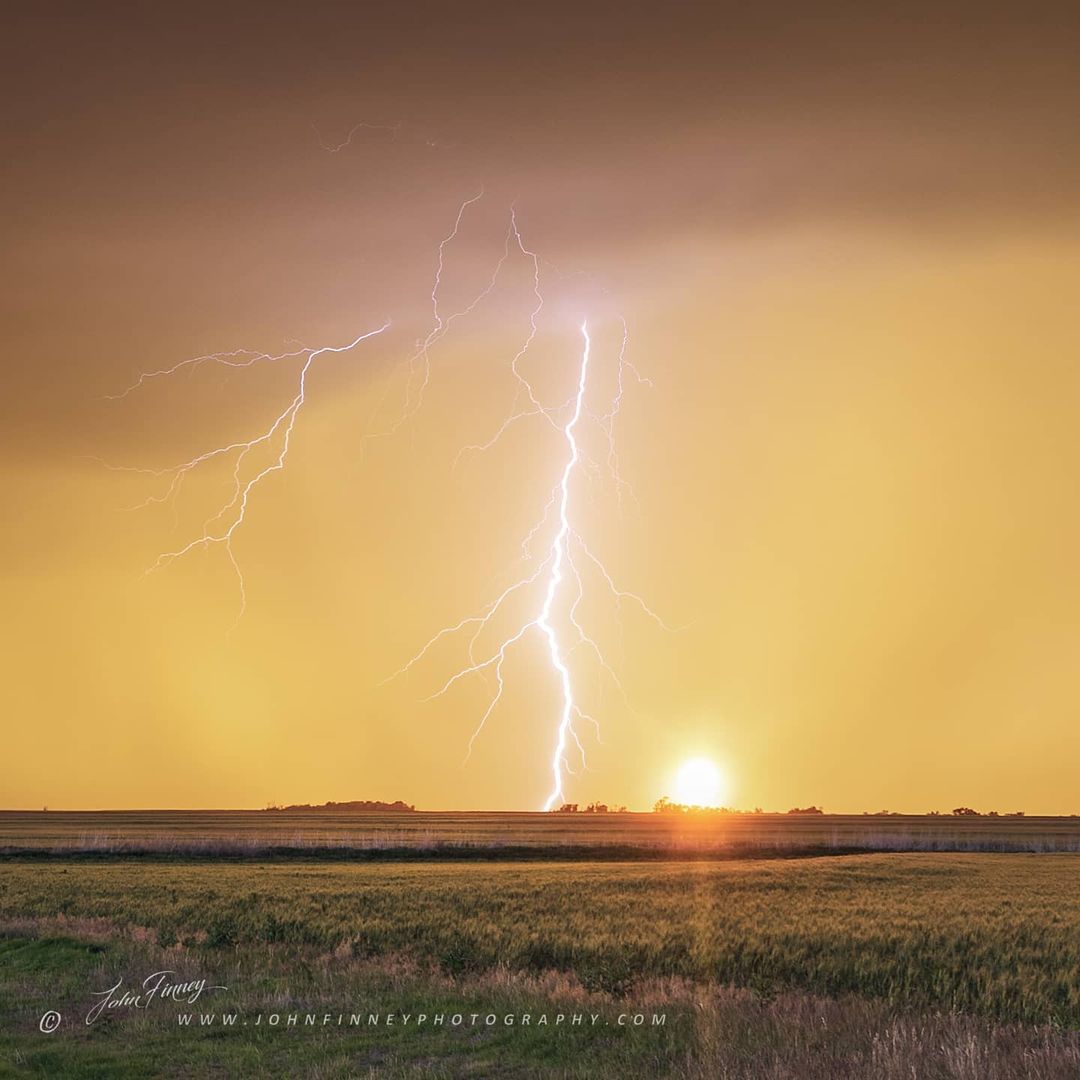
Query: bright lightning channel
[(559, 559), (557, 568), (566, 720)]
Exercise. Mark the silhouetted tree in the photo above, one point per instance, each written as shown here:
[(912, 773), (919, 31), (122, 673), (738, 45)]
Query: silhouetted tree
[(364, 805)]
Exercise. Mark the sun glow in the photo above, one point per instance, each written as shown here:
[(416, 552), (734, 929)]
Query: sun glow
[(699, 783)]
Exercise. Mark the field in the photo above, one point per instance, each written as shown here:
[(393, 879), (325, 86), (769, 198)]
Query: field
[(677, 962), (256, 832)]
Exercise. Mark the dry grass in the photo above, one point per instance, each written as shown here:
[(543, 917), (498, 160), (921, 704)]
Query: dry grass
[(992, 934), (260, 834), (711, 1032), (914, 966), (797, 1037)]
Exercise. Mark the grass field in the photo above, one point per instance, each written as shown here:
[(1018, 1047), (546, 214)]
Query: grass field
[(925, 965), (254, 832)]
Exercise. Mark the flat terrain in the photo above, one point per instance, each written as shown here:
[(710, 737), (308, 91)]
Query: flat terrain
[(884, 965), (999, 935), (218, 832)]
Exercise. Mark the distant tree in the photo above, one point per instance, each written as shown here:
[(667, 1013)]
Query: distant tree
[(757, 810), (596, 808), (965, 811), (1016, 813), (568, 808), (806, 810), (993, 813), (664, 805), (364, 805)]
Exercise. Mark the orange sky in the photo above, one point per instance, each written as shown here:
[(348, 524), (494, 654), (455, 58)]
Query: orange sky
[(846, 245)]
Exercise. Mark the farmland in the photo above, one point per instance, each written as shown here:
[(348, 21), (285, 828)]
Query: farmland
[(515, 835), (998, 935), (968, 963)]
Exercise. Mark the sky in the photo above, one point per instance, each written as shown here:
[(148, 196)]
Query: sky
[(844, 240)]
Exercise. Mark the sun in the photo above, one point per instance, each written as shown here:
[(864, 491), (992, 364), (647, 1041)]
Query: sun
[(699, 783)]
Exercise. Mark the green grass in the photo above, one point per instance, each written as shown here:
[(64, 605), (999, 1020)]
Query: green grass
[(961, 967), (48, 958), (291, 981), (993, 935)]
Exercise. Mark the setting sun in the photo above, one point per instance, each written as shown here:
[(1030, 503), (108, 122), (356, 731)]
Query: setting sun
[(699, 783)]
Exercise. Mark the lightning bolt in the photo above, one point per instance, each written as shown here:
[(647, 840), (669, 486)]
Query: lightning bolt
[(558, 561), (394, 131), (559, 570), (566, 719), (336, 148), (221, 527)]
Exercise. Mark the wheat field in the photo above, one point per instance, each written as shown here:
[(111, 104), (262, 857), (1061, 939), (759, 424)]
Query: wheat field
[(788, 965)]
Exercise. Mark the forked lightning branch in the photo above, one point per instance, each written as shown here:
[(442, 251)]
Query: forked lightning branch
[(561, 566)]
